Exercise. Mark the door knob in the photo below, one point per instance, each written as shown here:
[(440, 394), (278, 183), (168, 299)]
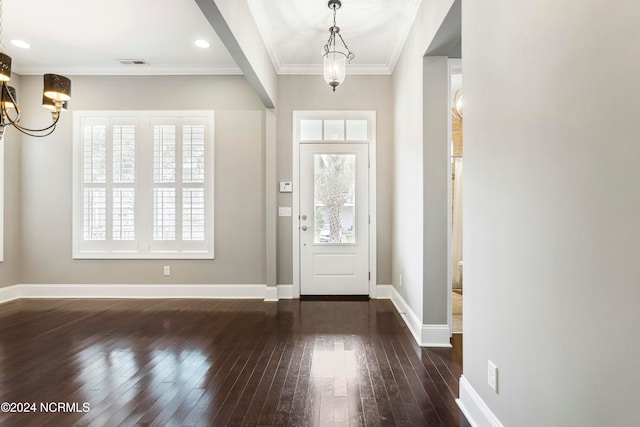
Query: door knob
[(304, 228)]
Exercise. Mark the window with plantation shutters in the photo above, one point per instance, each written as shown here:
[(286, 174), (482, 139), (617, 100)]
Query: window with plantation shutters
[(143, 184)]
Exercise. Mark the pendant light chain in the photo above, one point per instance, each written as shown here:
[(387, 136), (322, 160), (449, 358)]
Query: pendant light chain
[(335, 57)]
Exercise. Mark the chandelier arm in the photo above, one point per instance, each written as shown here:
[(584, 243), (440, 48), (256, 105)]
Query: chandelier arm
[(22, 129), (5, 114), (35, 135), (14, 122)]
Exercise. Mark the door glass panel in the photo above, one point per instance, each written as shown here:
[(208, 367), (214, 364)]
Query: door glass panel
[(311, 130), (356, 130), (334, 198), (334, 130)]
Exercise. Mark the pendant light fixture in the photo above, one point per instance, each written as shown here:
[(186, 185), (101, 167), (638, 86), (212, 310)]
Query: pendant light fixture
[(335, 57), (457, 104), (56, 94)]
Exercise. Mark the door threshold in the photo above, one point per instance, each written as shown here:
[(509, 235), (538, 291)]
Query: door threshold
[(334, 297)]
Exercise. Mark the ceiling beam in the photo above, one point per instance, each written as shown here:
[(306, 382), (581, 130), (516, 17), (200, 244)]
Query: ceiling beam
[(234, 24)]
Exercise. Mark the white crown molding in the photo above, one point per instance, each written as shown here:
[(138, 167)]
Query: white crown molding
[(283, 68), (130, 70), (352, 69), (143, 70), (260, 20), (403, 33), (474, 408)]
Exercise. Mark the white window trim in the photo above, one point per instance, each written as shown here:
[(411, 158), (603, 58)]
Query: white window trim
[(147, 116)]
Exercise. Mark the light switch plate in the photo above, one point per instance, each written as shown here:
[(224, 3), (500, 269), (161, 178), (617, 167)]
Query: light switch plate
[(284, 211)]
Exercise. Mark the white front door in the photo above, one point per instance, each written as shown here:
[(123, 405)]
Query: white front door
[(334, 219)]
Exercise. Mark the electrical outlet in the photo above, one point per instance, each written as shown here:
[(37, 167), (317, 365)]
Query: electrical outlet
[(492, 376), (400, 282), (167, 270)]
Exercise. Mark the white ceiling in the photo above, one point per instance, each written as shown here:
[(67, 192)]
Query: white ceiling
[(89, 36), (295, 32)]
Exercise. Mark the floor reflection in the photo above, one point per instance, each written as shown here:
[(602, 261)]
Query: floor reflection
[(213, 362)]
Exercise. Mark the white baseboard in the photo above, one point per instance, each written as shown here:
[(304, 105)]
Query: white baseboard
[(271, 293), (268, 293), (132, 291), (425, 335), (384, 291), (9, 293), (285, 291), (471, 404), (278, 292)]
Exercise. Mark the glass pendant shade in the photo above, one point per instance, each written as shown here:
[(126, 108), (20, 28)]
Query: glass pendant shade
[(5, 67), (335, 66), (458, 103), (57, 87), (9, 97)]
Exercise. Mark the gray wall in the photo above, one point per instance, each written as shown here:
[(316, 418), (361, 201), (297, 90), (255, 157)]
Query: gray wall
[(10, 267), (357, 93), (552, 208), (239, 182), (436, 181), (409, 203)]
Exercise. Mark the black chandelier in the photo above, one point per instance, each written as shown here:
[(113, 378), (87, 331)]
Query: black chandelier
[(55, 97), (335, 57)]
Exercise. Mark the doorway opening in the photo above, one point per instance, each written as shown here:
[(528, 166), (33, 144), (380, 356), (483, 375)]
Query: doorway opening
[(334, 221), (457, 167)]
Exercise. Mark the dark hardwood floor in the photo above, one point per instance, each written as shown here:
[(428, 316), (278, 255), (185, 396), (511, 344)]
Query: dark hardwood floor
[(220, 362)]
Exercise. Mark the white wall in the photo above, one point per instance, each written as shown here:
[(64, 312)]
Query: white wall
[(552, 209), (239, 182), (408, 171)]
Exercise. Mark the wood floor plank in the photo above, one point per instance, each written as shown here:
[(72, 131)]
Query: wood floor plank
[(296, 411), (222, 362)]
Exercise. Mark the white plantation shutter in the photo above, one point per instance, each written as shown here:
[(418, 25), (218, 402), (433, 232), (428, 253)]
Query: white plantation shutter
[(193, 179), (193, 214), (94, 179), (124, 173), (124, 208), (164, 180), (144, 184), (95, 214), (164, 214)]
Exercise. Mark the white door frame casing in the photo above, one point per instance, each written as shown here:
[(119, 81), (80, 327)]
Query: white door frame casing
[(370, 116)]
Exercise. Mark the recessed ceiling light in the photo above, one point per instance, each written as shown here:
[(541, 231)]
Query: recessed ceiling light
[(202, 43), (20, 43)]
